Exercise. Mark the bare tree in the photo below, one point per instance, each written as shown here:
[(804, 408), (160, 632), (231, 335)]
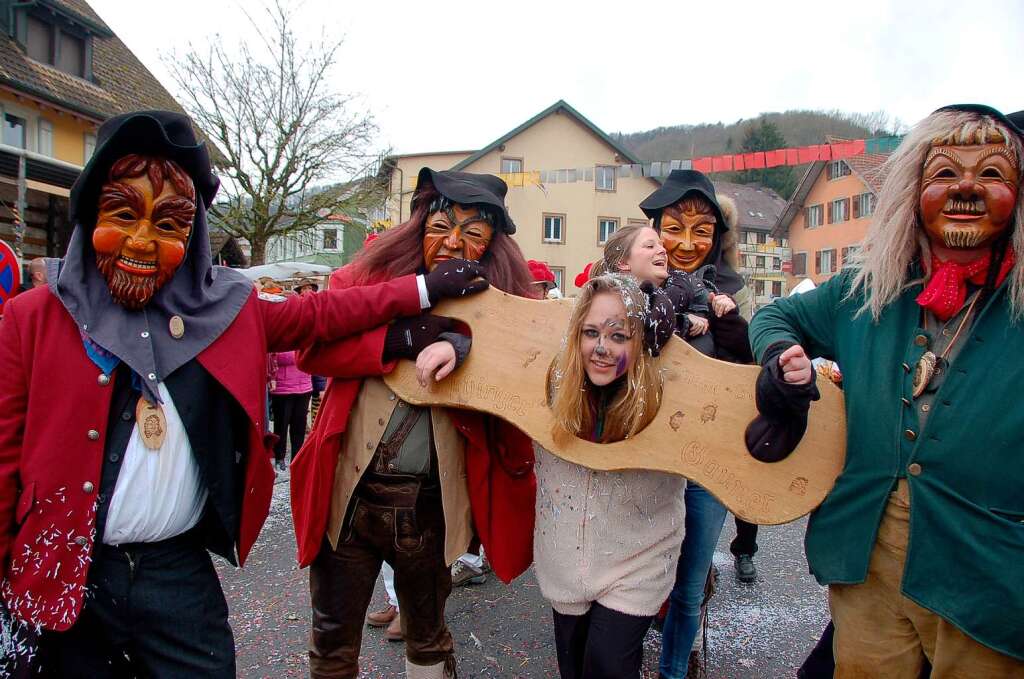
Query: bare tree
[(282, 131)]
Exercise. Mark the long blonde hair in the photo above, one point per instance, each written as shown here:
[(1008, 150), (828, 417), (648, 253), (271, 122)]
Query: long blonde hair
[(636, 403), (895, 237)]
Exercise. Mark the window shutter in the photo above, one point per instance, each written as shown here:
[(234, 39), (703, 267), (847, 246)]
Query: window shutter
[(833, 261), (856, 207), (846, 211), (817, 262)]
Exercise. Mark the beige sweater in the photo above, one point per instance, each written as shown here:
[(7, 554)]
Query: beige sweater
[(609, 537)]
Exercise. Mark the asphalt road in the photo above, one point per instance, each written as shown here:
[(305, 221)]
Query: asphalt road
[(760, 630)]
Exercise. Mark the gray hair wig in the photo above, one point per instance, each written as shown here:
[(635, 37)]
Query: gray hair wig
[(894, 239)]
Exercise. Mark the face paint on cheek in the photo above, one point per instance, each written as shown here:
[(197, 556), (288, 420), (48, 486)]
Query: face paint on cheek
[(620, 368)]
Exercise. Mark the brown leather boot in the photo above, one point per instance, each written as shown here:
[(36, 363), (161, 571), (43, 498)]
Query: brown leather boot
[(394, 630), (382, 617)]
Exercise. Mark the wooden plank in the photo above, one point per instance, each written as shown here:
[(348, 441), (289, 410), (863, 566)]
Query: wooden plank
[(698, 432)]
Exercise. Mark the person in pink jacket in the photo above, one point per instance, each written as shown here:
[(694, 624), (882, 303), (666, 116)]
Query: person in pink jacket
[(289, 402)]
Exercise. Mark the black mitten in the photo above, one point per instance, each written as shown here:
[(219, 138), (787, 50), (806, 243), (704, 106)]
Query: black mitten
[(782, 421), (407, 337), (455, 278), (660, 322)]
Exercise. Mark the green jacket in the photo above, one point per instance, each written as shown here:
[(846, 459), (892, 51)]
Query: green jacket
[(965, 559)]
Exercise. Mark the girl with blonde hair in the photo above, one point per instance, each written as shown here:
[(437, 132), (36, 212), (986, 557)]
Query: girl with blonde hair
[(605, 543)]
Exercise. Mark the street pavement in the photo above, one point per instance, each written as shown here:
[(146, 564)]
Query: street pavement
[(764, 630)]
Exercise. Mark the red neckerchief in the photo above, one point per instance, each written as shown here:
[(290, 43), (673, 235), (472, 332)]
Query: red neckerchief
[(946, 290)]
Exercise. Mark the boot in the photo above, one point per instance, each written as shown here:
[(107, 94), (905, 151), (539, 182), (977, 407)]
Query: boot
[(438, 671)]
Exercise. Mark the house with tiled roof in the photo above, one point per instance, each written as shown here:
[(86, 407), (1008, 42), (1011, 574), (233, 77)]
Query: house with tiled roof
[(829, 215), (63, 71)]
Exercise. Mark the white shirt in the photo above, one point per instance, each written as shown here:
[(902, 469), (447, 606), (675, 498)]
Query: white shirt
[(159, 493)]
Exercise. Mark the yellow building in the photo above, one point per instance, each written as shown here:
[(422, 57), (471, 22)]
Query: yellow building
[(566, 194), (62, 73)]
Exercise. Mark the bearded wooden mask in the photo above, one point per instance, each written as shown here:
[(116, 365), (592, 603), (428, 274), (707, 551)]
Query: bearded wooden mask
[(688, 232), (455, 232), (143, 224), (968, 193)]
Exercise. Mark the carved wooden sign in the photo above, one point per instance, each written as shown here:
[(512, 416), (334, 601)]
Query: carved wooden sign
[(698, 432)]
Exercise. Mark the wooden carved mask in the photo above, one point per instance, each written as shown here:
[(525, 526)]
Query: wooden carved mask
[(688, 232), (455, 232), (142, 227)]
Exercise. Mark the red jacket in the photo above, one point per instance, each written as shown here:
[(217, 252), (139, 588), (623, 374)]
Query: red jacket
[(499, 457), (53, 417)]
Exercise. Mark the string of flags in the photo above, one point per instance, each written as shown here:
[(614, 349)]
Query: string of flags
[(605, 175)]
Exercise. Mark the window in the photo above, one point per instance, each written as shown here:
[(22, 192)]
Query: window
[(759, 262), (825, 262), (71, 55), (837, 169), (14, 131), (39, 40), (815, 216), (750, 237), (758, 287), (848, 253), (762, 237), (559, 272), (863, 205), (776, 288), (511, 165), (90, 146), (800, 264), (839, 211), (776, 263), (604, 178), (330, 239), (554, 228), (44, 143), (57, 44), (605, 228)]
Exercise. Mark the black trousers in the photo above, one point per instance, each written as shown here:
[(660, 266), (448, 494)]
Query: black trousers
[(600, 644), (745, 541), (153, 610), (290, 412)]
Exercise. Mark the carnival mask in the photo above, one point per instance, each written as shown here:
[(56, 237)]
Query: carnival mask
[(688, 233), (968, 194), (455, 232), (143, 223)]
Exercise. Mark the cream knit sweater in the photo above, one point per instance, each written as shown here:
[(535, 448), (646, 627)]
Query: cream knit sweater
[(609, 537)]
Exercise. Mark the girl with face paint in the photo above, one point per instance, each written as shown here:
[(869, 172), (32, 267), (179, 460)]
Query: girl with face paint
[(605, 543)]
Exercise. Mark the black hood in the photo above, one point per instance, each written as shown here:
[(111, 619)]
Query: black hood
[(679, 185), (468, 188), (206, 298)]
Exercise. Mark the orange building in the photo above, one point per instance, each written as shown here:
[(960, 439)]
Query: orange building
[(829, 215)]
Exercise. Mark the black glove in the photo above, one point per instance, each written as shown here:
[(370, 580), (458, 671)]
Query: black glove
[(782, 421), (455, 278), (660, 322), (680, 289), (407, 337)]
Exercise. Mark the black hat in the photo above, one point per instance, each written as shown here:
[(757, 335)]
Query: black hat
[(160, 133), (1018, 120), (676, 187), (468, 188)]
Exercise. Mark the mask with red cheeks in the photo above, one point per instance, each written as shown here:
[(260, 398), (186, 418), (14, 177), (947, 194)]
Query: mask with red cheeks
[(455, 232), (688, 233), (968, 196), (143, 222)]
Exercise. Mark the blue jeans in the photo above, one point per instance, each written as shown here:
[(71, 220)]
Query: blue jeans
[(704, 519)]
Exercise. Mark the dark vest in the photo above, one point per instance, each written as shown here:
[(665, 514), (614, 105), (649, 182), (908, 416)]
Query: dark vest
[(216, 427)]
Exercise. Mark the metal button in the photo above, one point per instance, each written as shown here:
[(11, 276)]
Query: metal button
[(910, 434), (93, 435), (906, 401), (925, 408), (114, 457), (914, 469), (126, 416), (906, 368), (88, 487), (144, 334), (391, 397), (81, 541), (151, 376), (947, 332), (921, 341), (103, 380)]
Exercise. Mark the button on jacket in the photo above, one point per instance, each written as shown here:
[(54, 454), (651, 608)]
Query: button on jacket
[(965, 465)]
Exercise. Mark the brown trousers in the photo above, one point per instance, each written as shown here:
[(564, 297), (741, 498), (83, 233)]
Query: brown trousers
[(881, 633), (385, 522)]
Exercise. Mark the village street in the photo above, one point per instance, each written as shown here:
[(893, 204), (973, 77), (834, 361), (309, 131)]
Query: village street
[(763, 630)]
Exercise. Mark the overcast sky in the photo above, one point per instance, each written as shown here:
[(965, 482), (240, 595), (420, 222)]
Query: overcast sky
[(457, 75)]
